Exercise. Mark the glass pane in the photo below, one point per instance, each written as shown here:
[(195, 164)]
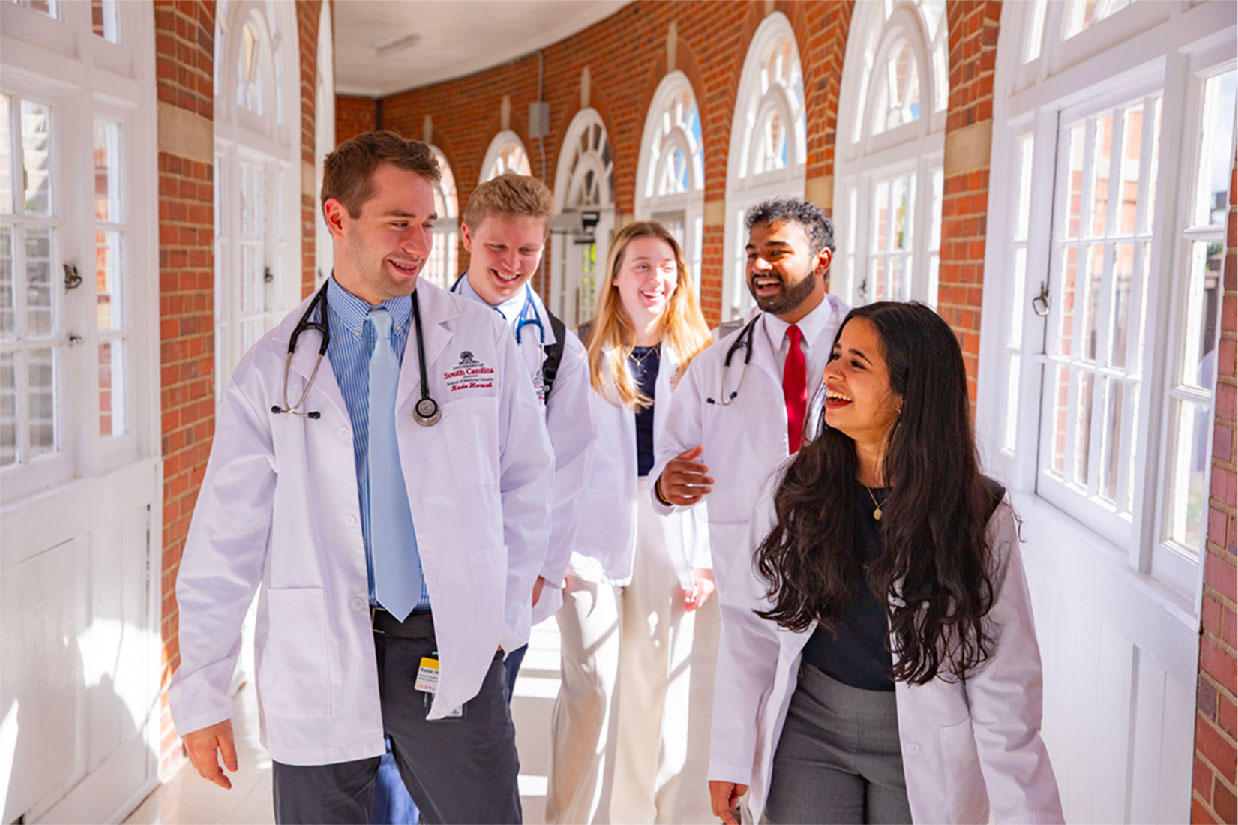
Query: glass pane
[(39, 322), (1100, 173), (1061, 400), (1128, 170), (41, 395), (1083, 427), (8, 312), (111, 388), (881, 220), (49, 7), (877, 281), (1120, 303), (1188, 498), (895, 292), (1012, 401), (1112, 438), (1150, 196), (1023, 202), (107, 171), (1066, 300), (1017, 286), (902, 229), (1199, 350), (1216, 152), (1091, 301), (8, 410), (1075, 179), (6, 155), (103, 19), (108, 261), (36, 157)]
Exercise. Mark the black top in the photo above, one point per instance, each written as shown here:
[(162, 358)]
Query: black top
[(644, 365), (857, 655)]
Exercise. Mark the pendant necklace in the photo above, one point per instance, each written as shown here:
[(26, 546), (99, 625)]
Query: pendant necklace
[(876, 506)]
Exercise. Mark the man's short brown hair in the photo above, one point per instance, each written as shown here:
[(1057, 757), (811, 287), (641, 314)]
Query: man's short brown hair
[(348, 171), (510, 196)]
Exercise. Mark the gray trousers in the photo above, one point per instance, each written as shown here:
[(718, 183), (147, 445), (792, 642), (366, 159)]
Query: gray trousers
[(838, 759), (457, 770)]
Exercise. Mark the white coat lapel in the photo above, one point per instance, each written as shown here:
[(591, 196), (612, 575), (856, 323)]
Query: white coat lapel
[(324, 385)]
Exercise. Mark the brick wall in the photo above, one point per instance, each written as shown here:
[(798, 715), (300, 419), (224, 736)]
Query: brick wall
[(711, 45), (184, 59), (1213, 783), (308, 15), (972, 41)]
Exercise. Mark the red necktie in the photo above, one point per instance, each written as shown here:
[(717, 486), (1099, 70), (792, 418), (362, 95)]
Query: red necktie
[(794, 388)]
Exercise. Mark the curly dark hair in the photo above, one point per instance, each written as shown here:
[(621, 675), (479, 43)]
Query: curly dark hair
[(807, 214), (935, 572)]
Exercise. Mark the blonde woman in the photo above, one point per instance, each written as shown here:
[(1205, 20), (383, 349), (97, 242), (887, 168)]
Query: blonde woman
[(636, 577)]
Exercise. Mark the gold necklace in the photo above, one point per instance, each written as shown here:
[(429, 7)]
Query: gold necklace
[(876, 506)]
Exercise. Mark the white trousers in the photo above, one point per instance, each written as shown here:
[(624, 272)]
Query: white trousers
[(625, 720)]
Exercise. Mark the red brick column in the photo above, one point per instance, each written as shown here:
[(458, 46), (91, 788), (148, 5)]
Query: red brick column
[(1213, 782), (973, 26), (184, 59), (308, 15)]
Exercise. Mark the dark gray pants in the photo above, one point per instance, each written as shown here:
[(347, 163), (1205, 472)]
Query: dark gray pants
[(457, 770), (838, 759)]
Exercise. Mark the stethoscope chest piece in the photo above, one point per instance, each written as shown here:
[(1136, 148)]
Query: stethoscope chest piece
[(426, 412)]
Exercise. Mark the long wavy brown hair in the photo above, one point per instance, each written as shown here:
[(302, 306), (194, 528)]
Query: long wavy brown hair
[(682, 327), (935, 571)]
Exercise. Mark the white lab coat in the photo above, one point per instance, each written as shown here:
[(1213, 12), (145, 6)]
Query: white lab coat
[(572, 434), (606, 539), (968, 747), (278, 506), (744, 440)]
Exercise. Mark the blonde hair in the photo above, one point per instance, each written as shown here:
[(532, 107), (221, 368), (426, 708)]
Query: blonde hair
[(509, 196), (682, 326)]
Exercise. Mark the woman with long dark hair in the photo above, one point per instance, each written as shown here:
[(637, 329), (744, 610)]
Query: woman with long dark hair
[(880, 659)]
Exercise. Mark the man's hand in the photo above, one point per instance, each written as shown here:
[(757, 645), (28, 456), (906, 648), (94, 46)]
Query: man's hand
[(537, 589), (724, 797), (204, 743), (685, 481), (703, 579)]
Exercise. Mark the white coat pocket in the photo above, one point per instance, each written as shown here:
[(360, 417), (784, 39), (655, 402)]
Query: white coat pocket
[(472, 431), (294, 672)]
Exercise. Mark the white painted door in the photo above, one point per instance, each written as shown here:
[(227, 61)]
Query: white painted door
[(80, 473)]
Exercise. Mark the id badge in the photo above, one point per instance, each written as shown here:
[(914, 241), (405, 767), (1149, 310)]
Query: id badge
[(427, 683)]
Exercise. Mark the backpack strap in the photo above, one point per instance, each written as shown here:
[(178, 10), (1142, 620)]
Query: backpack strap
[(554, 354)]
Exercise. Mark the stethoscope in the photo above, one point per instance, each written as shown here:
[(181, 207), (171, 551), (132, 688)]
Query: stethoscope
[(528, 313), (426, 411), (814, 413)]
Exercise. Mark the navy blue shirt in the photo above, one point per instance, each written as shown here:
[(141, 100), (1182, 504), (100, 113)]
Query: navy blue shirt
[(643, 362)]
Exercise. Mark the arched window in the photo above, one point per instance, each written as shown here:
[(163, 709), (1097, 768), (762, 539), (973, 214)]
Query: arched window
[(1099, 359), (257, 176), (768, 152), (506, 154), (324, 142), (440, 269), (585, 195), (892, 116), (670, 177)]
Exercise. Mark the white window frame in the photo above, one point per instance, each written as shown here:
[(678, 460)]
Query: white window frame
[(867, 156), (574, 162), (1110, 58), (442, 265), (659, 138), (744, 189), (494, 163), (273, 142), (324, 142), (85, 77)]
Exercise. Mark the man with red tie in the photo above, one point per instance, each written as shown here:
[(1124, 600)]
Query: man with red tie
[(741, 405)]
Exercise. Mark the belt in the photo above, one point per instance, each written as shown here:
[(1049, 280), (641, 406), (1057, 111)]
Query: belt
[(416, 626)]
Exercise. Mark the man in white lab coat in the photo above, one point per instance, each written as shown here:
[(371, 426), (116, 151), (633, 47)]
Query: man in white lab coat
[(741, 406), (393, 505)]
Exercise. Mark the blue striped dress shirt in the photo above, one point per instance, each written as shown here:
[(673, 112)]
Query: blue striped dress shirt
[(352, 343)]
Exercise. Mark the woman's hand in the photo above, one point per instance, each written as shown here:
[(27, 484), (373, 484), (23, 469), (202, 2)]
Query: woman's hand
[(704, 587), (724, 797), (685, 481)]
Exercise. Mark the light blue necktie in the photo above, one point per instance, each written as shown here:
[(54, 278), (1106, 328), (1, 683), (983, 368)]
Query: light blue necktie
[(393, 545)]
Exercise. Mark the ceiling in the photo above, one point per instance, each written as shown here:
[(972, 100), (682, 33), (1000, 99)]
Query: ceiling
[(457, 37)]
